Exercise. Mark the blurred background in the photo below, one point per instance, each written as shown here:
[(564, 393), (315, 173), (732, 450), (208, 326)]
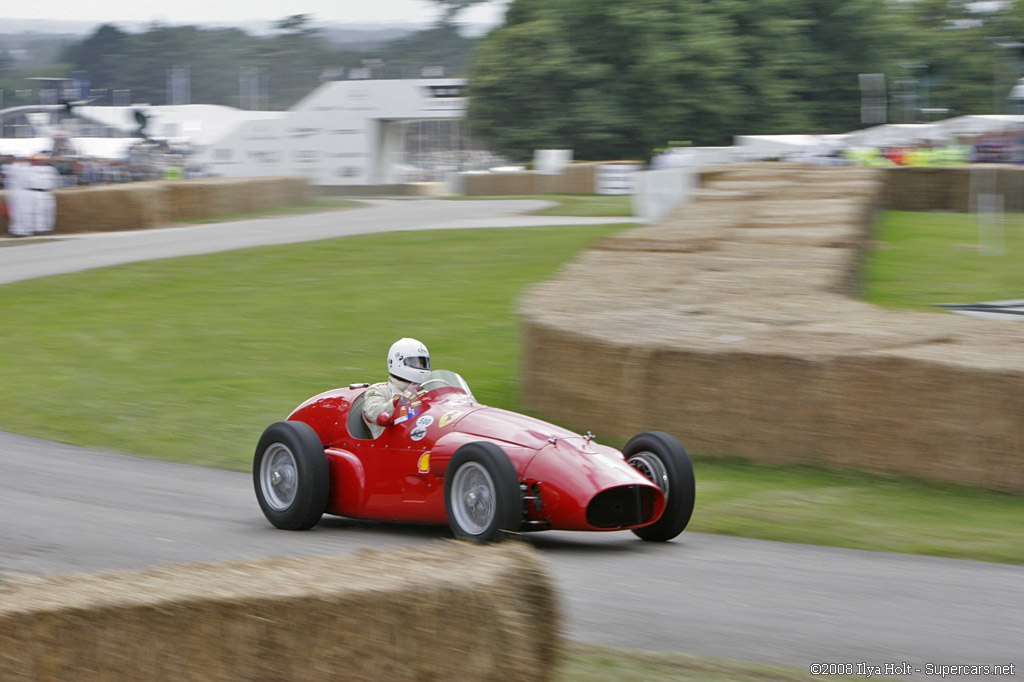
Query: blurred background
[(609, 80)]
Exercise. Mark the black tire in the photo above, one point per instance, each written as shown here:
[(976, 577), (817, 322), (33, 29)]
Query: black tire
[(481, 493), (661, 458), (291, 476)]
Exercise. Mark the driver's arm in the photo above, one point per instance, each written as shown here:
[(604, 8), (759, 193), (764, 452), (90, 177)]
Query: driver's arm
[(379, 408)]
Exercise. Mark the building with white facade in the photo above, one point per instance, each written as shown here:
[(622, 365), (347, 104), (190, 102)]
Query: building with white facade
[(354, 132)]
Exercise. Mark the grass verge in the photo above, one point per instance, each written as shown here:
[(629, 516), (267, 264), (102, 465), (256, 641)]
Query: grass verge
[(923, 259), (189, 359), (612, 664), (891, 513)]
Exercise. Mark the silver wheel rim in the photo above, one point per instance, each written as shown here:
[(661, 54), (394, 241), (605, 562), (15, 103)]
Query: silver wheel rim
[(279, 477), (473, 498), (651, 466)]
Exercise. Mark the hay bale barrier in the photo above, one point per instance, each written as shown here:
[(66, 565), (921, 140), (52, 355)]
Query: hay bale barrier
[(144, 205), (577, 178), (731, 326), (456, 612)]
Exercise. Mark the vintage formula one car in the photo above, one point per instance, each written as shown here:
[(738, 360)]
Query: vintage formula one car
[(482, 470)]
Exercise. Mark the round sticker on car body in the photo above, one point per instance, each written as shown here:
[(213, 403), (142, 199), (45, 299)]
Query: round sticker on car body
[(419, 433), (425, 421)]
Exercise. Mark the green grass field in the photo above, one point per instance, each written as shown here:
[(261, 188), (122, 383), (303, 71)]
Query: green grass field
[(923, 259), (612, 664), (189, 359)]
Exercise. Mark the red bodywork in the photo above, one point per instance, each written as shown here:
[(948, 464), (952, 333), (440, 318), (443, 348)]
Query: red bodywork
[(400, 475)]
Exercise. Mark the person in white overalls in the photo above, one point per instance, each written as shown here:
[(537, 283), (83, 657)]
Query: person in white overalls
[(19, 201), (43, 179)]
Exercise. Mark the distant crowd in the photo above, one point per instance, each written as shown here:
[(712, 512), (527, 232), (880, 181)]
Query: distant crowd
[(28, 183), (1006, 147), (145, 161)]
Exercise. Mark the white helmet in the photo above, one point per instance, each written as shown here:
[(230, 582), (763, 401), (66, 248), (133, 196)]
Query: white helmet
[(409, 360)]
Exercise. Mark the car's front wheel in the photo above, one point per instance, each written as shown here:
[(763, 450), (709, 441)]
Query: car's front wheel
[(662, 459), (481, 493), (291, 475)]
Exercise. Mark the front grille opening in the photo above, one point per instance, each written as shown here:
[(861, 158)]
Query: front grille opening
[(628, 505)]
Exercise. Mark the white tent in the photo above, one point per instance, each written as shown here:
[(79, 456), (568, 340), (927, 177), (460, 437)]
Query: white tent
[(108, 132), (196, 124), (893, 135), (979, 124), (783, 145)]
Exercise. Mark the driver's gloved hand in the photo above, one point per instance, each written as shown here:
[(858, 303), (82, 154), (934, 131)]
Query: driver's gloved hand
[(386, 418)]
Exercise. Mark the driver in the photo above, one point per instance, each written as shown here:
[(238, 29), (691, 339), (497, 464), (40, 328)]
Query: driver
[(408, 363)]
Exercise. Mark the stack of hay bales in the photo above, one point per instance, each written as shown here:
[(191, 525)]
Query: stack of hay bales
[(955, 188), (134, 206), (143, 205), (577, 178), (459, 612), (730, 325), (224, 196)]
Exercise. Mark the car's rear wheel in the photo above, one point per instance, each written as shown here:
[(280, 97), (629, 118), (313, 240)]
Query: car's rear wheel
[(663, 460), (481, 493), (291, 475)]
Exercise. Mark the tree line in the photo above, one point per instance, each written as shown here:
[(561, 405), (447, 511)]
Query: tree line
[(232, 67), (611, 79), (617, 80)]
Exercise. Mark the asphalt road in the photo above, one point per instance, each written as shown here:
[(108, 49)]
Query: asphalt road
[(69, 253), (70, 509)]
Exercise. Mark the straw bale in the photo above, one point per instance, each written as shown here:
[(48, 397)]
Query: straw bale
[(195, 199), (733, 314), (133, 206), (142, 205), (449, 613), (499, 184), (951, 189), (577, 178), (916, 188), (717, 194)]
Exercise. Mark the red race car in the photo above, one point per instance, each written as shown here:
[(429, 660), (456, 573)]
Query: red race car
[(482, 470)]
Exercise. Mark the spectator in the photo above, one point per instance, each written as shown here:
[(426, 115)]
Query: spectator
[(43, 178), (19, 200)]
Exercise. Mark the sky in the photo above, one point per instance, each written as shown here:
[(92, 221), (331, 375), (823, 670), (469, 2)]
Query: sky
[(228, 11)]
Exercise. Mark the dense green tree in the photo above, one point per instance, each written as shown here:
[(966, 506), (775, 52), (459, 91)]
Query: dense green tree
[(844, 38), (608, 78), (290, 62), (103, 51), (604, 78), (442, 46), (942, 60)]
